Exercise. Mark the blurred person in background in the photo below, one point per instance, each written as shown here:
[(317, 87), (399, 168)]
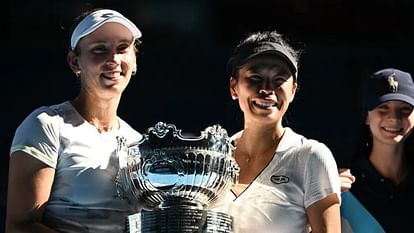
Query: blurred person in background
[(380, 200)]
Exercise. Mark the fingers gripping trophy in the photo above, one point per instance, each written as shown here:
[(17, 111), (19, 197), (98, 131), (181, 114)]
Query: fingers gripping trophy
[(176, 178)]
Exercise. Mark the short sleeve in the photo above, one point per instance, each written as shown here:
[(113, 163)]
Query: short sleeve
[(38, 136), (321, 174)]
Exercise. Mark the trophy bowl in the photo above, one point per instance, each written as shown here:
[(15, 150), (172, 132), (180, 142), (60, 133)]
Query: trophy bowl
[(175, 178)]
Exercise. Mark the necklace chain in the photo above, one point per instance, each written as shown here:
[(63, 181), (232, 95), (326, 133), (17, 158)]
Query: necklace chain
[(271, 149)]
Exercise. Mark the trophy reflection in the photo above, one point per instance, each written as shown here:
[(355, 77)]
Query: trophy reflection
[(176, 178)]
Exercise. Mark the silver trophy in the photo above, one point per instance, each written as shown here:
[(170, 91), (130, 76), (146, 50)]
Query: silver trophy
[(175, 178)]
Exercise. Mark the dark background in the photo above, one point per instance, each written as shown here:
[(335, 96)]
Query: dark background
[(182, 64)]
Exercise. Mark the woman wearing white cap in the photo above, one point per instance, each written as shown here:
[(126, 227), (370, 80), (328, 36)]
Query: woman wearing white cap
[(288, 183), (63, 161)]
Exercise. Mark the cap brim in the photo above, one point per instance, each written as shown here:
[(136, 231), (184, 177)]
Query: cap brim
[(96, 19), (392, 96), (278, 54)]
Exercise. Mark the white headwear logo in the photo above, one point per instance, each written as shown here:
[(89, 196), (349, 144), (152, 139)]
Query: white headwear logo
[(393, 83)]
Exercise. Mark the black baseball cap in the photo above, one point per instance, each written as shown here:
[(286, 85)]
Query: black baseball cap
[(246, 52), (389, 84)]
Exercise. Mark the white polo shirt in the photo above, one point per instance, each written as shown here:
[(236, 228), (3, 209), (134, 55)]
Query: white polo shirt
[(84, 194), (301, 172)]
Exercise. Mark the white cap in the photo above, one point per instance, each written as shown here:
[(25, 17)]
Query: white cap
[(96, 19)]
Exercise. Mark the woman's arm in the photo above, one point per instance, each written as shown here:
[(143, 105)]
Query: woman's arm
[(30, 183), (324, 215)]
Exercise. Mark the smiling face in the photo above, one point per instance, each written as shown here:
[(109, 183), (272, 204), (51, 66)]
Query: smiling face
[(264, 88), (391, 122), (105, 61)]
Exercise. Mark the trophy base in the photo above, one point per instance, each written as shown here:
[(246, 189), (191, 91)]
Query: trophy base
[(180, 220)]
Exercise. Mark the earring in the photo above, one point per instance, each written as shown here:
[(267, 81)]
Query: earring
[(77, 73), (234, 97), (134, 69)]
